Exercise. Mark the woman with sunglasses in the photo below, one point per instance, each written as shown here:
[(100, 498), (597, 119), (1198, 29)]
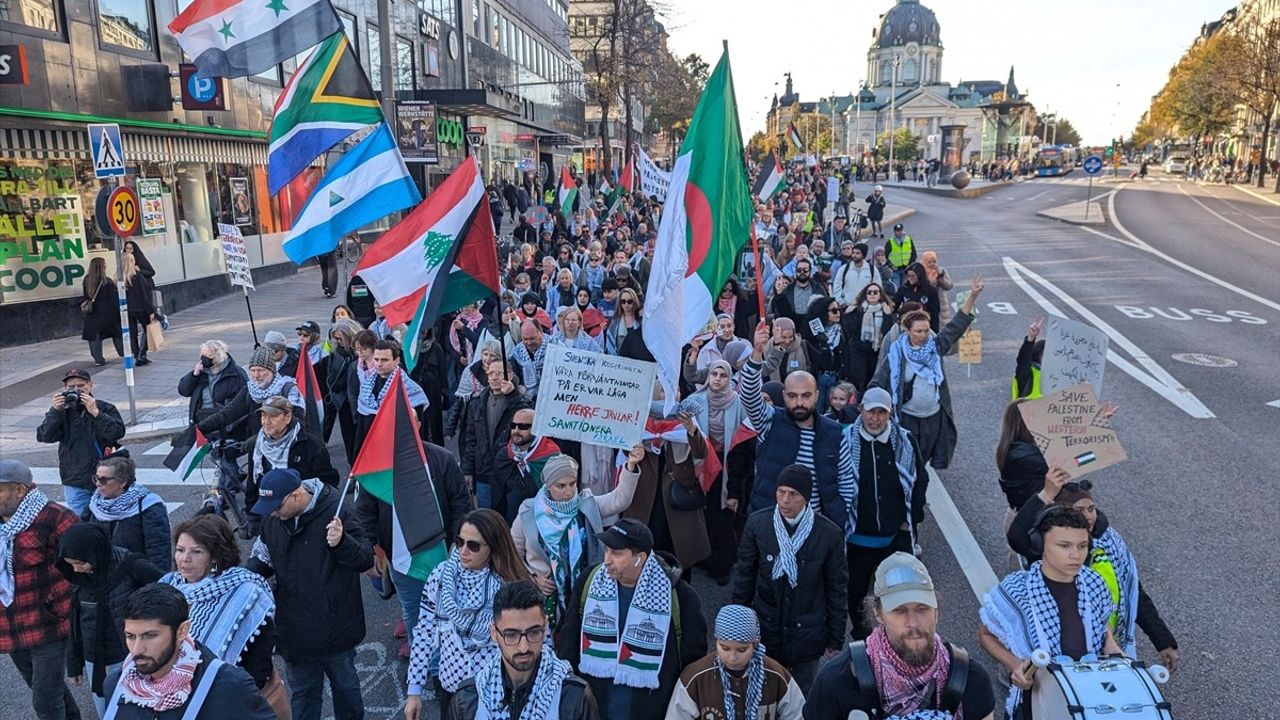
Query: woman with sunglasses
[(865, 324), (457, 608), (134, 517), (624, 321)]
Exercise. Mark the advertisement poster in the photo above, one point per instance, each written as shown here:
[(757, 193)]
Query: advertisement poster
[(149, 190), (241, 203), (416, 131), (592, 397), (1071, 430)]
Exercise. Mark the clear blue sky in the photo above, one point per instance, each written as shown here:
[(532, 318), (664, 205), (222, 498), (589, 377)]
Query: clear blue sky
[(1099, 68)]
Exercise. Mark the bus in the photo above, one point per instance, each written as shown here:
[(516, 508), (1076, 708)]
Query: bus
[(1054, 160)]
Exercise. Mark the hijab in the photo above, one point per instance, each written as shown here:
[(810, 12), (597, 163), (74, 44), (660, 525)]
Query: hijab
[(719, 402)]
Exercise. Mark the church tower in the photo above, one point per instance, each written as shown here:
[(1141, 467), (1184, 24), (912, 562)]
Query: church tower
[(910, 33)]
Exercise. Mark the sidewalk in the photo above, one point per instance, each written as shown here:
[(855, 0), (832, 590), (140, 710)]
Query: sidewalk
[(30, 374)]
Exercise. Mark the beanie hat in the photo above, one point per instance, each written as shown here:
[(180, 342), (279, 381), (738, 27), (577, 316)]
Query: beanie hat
[(262, 358), (275, 340), (557, 468), (798, 478)]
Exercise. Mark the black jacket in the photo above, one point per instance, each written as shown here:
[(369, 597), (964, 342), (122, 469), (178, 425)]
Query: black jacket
[(926, 295), (308, 455), (229, 384), (1023, 473), (233, 695), (103, 319), (452, 495), (289, 365), (337, 369), (319, 608), (576, 701), (146, 533), (479, 446), (81, 439), (797, 624), (241, 414)]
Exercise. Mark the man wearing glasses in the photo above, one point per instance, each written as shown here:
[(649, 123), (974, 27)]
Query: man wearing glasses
[(526, 680)]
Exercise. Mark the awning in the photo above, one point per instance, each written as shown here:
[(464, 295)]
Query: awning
[(472, 101), (60, 144)]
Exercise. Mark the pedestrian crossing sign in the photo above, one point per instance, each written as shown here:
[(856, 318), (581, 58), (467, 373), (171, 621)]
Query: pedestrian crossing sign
[(107, 150)]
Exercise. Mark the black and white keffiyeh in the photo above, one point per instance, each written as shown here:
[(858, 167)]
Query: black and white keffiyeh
[(466, 600), (279, 385), (1126, 571), (125, 505), (227, 610), (738, 623), (789, 544), (544, 698), (274, 451), (28, 508)]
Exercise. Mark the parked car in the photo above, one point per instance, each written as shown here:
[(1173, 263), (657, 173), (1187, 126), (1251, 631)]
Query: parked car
[(1176, 165)]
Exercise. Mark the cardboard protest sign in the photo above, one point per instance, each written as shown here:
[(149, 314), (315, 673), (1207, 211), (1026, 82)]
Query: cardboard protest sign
[(971, 347), (1071, 432), (1073, 353), (236, 256), (593, 398)]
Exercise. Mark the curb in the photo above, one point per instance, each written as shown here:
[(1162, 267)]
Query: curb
[(1062, 214), (153, 430), (1260, 196), (967, 193)]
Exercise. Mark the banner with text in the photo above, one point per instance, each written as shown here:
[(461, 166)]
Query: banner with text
[(593, 398), (654, 181), (1073, 353), (1071, 430), (236, 255)]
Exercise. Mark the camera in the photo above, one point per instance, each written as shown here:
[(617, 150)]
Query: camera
[(71, 398)]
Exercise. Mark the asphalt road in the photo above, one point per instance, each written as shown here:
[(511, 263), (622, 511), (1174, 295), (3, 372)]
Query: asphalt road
[(1196, 499)]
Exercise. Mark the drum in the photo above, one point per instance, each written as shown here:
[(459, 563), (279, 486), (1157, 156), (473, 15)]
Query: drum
[(1114, 687)]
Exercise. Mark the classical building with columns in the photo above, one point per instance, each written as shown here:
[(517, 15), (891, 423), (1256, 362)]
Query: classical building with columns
[(902, 87)]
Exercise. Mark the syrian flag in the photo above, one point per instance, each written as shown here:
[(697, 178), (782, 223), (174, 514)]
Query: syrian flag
[(705, 222), (392, 466), (567, 193), (309, 389), (199, 449), (238, 38), (446, 242), (794, 136), (770, 180)]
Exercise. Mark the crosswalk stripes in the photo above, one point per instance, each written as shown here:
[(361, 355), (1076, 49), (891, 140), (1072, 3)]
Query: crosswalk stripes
[(151, 477), (162, 449)]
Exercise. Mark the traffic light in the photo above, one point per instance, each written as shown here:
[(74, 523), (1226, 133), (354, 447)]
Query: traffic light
[(1110, 150)]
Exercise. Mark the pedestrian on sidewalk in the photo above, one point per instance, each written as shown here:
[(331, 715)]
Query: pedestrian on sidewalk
[(84, 427), (36, 619), (138, 290), (876, 203), (100, 303)]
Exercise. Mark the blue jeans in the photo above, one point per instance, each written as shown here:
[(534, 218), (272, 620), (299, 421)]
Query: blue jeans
[(99, 703), (484, 495), (409, 592), (76, 498), (306, 687), (827, 379)]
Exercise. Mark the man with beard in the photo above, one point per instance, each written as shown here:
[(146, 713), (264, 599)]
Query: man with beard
[(904, 667), (848, 279), (794, 301), (168, 675), (795, 433), (517, 468)]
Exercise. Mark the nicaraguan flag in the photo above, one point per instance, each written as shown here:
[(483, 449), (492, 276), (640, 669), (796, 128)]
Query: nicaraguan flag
[(369, 182)]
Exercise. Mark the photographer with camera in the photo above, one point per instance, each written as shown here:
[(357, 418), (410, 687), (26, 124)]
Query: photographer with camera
[(84, 428)]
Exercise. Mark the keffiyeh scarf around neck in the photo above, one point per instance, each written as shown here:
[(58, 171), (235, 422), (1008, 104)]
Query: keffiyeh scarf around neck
[(644, 638), (31, 505), (165, 693), (755, 686), (924, 361), (544, 698), (276, 451), (1126, 571), (562, 536), (129, 503), (465, 599), (906, 689), (789, 544), (227, 609), (872, 319), (275, 387)]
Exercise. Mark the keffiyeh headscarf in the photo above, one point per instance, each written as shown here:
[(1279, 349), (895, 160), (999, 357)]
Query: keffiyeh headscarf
[(1126, 572), (274, 451), (544, 697), (465, 599), (275, 387), (737, 623), (129, 503), (31, 505)]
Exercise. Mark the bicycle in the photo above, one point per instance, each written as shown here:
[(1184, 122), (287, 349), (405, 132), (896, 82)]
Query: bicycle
[(226, 493)]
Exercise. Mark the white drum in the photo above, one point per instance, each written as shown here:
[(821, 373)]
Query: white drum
[(1114, 688)]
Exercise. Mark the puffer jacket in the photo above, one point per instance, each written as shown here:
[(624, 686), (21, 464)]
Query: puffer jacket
[(229, 383), (145, 532)]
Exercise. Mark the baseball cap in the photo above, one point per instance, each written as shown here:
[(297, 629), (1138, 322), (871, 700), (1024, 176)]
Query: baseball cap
[(628, 534), (310, 326), (273, 487), (898, 226), (275, 405), (78, 373), (16, 472), (877, 397), (903, 579)]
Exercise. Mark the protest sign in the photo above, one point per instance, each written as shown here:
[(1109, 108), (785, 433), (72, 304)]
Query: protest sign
[(833, 190), (236, 256), (971, 347), (654, 181), (593, 398), (1073, 353), (1071, 431)]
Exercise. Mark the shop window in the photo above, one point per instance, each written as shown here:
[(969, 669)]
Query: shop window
[(32, 17), (375, 56), (126, 26), (349, 27)]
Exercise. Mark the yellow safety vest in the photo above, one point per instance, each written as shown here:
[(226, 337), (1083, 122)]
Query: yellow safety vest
[(1035, 386), (808, 222), (900, 255), (1101, 564)]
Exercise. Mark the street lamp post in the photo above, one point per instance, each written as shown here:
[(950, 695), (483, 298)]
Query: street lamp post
[(857, 114)]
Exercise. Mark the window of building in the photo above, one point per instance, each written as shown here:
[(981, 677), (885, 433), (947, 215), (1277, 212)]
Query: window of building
[(349, 27), (909, 73), (886, 72), (375, 56), (405, 72), (477, 30), (126, 25), (494, 25), (506, 37), (34, 17)]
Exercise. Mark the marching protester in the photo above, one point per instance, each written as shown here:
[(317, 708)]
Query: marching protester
[(865, 326), (35, 622), (1026, 375), (487, 429), (83, 427), (525, 681), (214, 382), (338, 400), (854, 274), (283, 355), (518, 467), (134, 517), (375, 385), (243, 409), (915, 287)]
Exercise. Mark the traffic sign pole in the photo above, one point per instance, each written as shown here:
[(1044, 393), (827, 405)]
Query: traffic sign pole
[(122, 216), (1088, 198), (1092, 166)]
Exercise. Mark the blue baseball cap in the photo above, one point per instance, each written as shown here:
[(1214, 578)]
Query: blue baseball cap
[(275, 485)]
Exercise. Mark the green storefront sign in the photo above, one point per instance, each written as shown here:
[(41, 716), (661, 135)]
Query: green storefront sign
[(42, 234), (449, 132)]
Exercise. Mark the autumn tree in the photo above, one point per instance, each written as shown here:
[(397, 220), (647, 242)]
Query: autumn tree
[(1256, 50), (906, 146), (677, 86)]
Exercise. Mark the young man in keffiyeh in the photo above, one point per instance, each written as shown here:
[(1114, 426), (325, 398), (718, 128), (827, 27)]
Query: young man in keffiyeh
[(1057, 605), (525, 681), (167, 674), (635, 627), (736, 681), (904, 670), (374, 388)]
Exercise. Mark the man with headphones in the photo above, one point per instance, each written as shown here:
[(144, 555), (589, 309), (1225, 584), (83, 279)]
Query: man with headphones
[(1058, 605)]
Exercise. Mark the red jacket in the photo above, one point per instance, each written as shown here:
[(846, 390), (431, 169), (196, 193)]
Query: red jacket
[(41, 609)]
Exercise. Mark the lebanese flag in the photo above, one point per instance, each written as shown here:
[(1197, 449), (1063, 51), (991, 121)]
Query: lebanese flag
[(705, 222), (199, 449), (567, 193), (309, 389), (238, 38)]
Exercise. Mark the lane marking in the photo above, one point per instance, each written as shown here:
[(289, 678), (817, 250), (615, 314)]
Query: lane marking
[(1155, 377), (1112, 238), (977, 569), (1232, 223), (151, 477), (1142, 245), (1039, 194), (163, 448), (1258, 195), (1274, 403)]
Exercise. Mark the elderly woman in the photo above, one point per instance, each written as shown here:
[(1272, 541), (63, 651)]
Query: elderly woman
[(569, 332), (214, 381), (135, 518), (938, 278), (555, 530), (561, 294)]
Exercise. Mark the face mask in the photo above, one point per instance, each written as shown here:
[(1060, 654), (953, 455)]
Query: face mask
[(206, 362)]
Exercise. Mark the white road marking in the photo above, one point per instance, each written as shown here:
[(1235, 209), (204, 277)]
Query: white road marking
[(151, 477), (1258, 195), (1274, 403), (1155, 377), (1218, 215), (163, 448), (976, 567), (1039, 194), (1142, 245)]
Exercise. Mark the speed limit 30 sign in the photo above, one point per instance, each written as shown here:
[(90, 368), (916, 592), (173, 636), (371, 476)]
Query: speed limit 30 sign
[(122, 211)]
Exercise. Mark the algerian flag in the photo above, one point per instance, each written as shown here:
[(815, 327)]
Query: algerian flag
[(194, 456), (567, 193), (705, 222)]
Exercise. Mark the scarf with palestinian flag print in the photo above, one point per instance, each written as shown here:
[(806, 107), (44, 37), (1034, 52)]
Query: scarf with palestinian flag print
[(531, 459), (635, 658)]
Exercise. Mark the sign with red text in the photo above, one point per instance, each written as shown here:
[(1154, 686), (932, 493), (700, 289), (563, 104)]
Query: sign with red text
[(593, 398), (1071, 430)]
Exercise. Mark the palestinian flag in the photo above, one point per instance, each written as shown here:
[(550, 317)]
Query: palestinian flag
[(625, 184), (392, 466), (770, 180), (199, 449), (567, 193), (309, 389), (705, 222), (448, 240), (710, 467), (794, 136), (326, 100), (238, 38), (531, 467)]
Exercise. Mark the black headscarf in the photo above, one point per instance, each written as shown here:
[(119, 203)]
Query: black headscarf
[(89, 542)]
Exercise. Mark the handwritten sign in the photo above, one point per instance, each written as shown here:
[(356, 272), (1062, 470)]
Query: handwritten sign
[(237, 258), (593, 398), (1071, 432), (1073, 353), (971, 347), (654, 181)]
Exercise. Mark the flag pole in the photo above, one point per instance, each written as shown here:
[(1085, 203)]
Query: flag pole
[(755, 249), (341, 498), (502, 332), (252, 327)]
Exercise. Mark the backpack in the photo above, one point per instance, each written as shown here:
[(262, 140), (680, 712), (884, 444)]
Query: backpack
[(952, 694)]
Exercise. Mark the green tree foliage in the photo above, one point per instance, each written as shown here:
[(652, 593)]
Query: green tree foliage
[(906, 146)]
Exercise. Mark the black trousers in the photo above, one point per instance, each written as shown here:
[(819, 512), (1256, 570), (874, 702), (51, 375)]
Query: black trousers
[(328, 272), (863, 562)]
